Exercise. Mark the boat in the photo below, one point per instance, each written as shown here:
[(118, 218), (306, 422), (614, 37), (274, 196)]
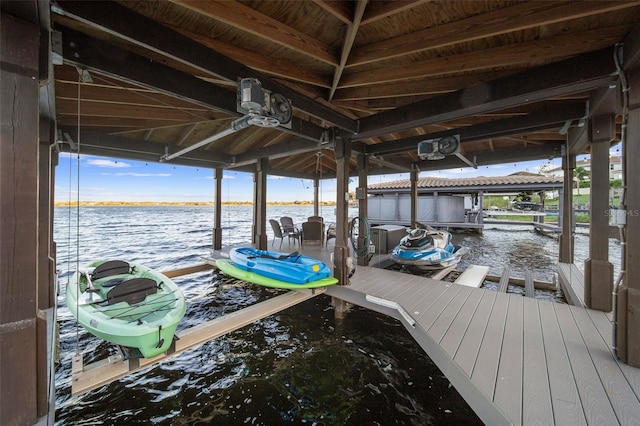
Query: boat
[(127, 304), (428, 248), (290, 268)]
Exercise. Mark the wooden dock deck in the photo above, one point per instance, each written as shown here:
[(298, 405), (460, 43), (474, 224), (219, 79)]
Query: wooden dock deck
[(514, 359)]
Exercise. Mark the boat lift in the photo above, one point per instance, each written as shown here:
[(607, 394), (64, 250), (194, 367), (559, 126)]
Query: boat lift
[(99, 373)]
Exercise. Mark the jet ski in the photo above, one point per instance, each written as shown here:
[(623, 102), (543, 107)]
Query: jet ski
[(428, 248)]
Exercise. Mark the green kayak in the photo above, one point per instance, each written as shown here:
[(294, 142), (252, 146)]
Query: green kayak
[(127, 304), (229, 268)]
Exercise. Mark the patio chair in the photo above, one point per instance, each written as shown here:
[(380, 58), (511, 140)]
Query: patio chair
[(289, 229), (277, 231), (312, 231)]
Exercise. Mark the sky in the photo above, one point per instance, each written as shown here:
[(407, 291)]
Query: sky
[(109, 179)]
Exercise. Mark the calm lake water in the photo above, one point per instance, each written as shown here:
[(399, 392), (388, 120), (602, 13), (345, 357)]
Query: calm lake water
[(299, 366)]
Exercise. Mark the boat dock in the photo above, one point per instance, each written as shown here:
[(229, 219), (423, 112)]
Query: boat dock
[(515, 360)]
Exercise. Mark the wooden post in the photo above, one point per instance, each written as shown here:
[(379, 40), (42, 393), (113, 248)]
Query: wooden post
[(316, 195), (565, 252), (260, 205), (19, 89), (363, 165), (341, 255), (217, 214), (415, 172), (598, 271), (628, 300)]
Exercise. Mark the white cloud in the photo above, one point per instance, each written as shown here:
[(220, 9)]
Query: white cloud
[(108, 163)]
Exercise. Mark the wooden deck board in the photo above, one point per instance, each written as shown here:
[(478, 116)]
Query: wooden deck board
[(450, 341), (536, 404), (468, 349), (508, 383), (504, 280), (565, 399), (440, 324), (594, 399), (529, 289), (473, 276), (421, 303), (487, 362), (624, 402)]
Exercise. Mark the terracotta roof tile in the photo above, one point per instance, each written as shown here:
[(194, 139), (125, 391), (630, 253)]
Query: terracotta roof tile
[(436, 182)]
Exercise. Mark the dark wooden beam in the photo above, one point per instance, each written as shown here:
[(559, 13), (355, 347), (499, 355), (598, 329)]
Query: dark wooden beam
[(126, 24), (87, 52), (538, 152), (631, 49), (262, 26), (97, 143), (585, 72), (546, 118)]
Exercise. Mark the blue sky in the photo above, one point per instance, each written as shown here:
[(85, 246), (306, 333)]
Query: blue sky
[(109, 179)]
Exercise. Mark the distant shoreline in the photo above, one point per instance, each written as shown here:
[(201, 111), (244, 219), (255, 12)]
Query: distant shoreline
[(182, 203)]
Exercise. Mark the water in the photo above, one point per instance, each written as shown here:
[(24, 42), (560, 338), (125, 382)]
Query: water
[(299, 366)]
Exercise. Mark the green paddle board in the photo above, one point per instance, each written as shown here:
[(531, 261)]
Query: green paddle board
[(229, 268)]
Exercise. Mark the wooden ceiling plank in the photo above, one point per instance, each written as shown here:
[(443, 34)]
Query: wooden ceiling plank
[(542, 50), (272, 66), (113, 94), (339, 9), (99, 109), (578, 74), (260, 25), (352, 31), (283, 149), (385, 9), (505, 20), (119, 21)]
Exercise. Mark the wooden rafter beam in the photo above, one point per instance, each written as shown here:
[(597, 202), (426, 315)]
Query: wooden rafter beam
[(267, 64), (339, 9), (123, 23), (505, 20), (582, 73), (253, 22), (350, 36), (381, 10), (98, 143), (529, 153), (546, 118), (541, 50)]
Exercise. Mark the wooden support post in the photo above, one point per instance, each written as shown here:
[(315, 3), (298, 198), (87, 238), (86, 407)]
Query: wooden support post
[(217, 214), (565, 252), (316, 196), (598, 271), (341, 256), (363, 166), (19, 89), (260, 204), (415, 172), (628, 299)]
